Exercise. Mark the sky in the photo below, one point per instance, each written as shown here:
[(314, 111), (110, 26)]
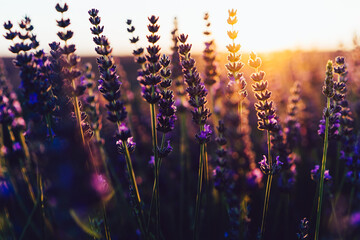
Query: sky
[(263, 25)]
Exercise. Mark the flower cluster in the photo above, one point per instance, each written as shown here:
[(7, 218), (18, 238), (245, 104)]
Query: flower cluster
[(24, 59), (109, 87), (211, 70), (109, 83), (176, 70), (91, 103), (152, 77), (346, 119), (166, 117), (221, 172), (196, 88), (328, 88), (236, 87), (11, 119), (292, 129), (286, 179), (353, 162), (331, 112), (138, 52), (70, 74), (265, 109), (34, 67)]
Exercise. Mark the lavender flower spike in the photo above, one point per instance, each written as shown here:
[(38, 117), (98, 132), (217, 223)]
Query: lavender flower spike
[(109, 86)]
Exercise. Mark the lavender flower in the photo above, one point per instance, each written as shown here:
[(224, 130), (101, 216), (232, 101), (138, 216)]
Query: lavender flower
[(265, 109), (33, 68), (139, 52), (109, 86), (10, 109), (224, 182), (109, 83), (209, 55), (196, 89), (11, 118), (166, 117), (71, 73), (353, 162), (330, 129), (342, 106), (197, 93), (176, 70), (292, 129), (236, 88), (152, 78), (331, 112), (266, 121), (91, 102), (328, 88), (221, 172)]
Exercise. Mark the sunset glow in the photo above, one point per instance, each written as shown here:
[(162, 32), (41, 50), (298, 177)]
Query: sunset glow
[(263, 25), (159, 119)]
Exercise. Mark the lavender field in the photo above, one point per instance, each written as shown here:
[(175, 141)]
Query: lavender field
[(172, 143)]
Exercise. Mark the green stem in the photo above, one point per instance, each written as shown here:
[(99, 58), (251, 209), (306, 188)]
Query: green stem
[(8, 223), (21, 203), (351, 199), (29, 220), (75, 98), (323, 164), (25, 147), (337, 164), (41, 191), (156, 167), (27, 160), (134, 186), (337, 195), (335, 218), (240, 113), (206, 168), (199, 192), (266, 204), (106, 225), (77, 112), (155, 190), (48, 125), (182, 174), (268, 188)]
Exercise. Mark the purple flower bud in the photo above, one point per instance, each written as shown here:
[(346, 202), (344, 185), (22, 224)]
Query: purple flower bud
[(16, 147), (315, 174), (130, 144), (152, 161), (204, 135), (267, 169)]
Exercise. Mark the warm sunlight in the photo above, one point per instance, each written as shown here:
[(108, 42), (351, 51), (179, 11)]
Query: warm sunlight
[(173, 120), (263, 25)]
